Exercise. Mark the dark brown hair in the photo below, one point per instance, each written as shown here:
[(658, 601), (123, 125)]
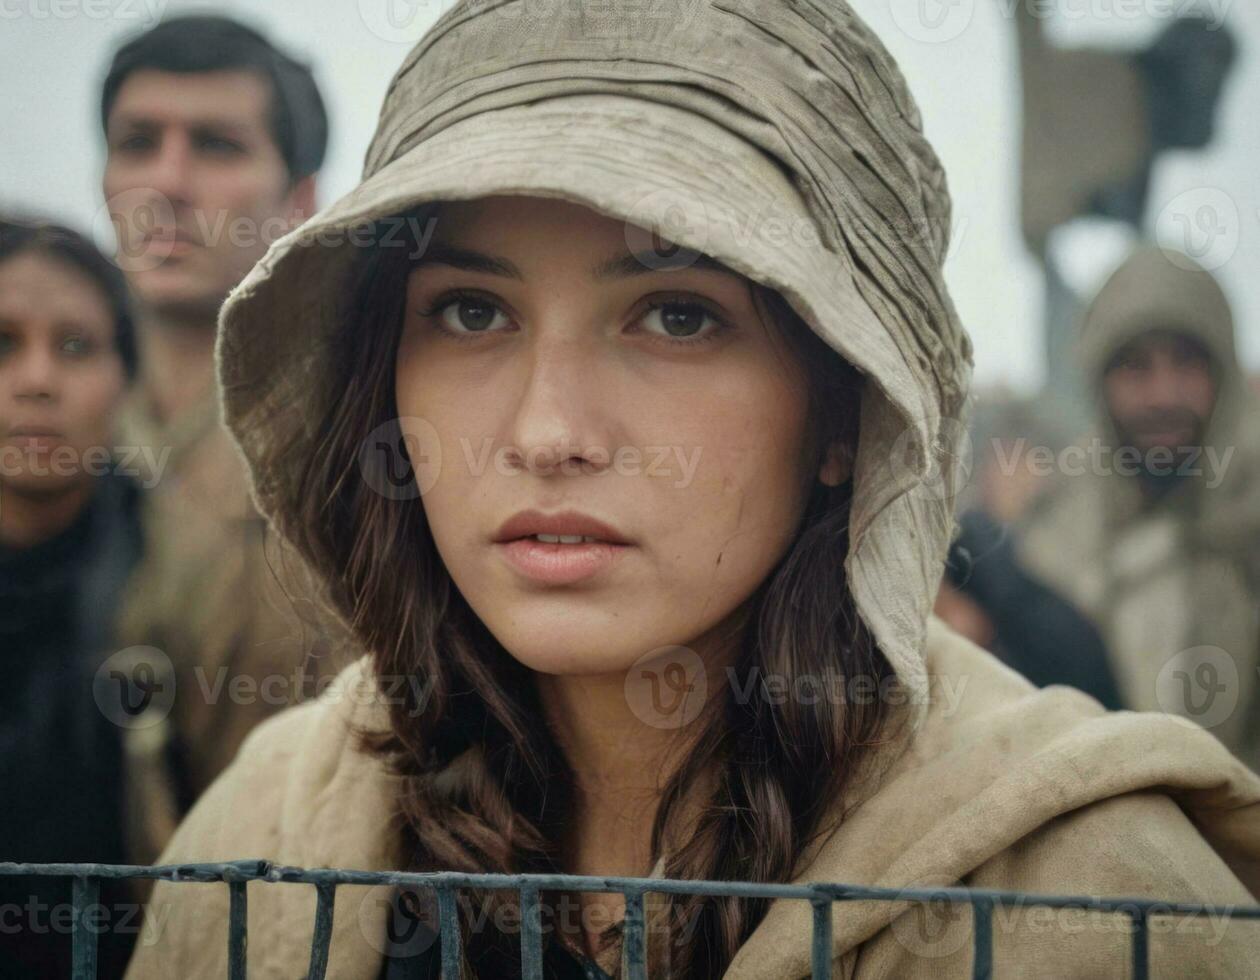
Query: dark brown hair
[(486, 789), (202, 43)]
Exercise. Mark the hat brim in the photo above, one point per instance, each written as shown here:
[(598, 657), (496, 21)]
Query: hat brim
[(655, 166)]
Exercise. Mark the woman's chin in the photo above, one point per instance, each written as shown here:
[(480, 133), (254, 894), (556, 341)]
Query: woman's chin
[(572, 651)]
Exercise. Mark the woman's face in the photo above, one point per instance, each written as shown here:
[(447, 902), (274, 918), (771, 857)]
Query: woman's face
[(61, 376), (543, 370)]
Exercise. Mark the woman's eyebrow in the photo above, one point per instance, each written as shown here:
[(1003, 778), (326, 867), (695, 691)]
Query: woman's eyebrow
[(618, 267), (468, 260)]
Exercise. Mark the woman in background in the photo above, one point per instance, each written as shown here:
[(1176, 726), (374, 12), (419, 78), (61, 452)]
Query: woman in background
[(68, 538)]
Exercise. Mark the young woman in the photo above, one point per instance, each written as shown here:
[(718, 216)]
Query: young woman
[(604, 406)]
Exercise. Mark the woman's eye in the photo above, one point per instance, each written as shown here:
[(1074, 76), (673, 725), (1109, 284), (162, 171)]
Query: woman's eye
[(466, 315), (682, 321), (76, 346)]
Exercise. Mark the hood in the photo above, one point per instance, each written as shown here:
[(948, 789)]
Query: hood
[(1158, 288), (727, 111)]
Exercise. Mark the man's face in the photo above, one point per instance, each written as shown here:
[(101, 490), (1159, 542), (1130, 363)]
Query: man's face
[(1160, 392), (195, 185)]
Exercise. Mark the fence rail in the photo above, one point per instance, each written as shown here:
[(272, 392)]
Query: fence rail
[(237, 874)]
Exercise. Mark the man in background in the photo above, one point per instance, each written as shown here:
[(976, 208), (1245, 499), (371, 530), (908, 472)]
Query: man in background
[(214, 138), (1153, 530)]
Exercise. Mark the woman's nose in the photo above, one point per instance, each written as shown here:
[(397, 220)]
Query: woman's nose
[(36, 374), (560, 417)]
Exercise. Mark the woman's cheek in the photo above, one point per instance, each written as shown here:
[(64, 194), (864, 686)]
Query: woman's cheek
[(96, 398), (720, 523)]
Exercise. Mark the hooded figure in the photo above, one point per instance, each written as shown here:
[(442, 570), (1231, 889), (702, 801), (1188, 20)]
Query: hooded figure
[(1167, 566), (590, 212)]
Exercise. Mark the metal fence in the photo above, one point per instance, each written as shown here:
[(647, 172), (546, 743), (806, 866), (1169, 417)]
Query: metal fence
[(237, 874)]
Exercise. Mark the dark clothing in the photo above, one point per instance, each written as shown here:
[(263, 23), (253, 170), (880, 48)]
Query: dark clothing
[(1038, 632), (60, 756), (414, 952)]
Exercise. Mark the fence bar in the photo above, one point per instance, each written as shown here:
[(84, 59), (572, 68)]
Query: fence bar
[(821, 954), (86, 880), (633, 952), (238, 935), (326, 895), (1141, 945), (448, 924), (982, 967), (531, 935), (256, 870), (85, 893)]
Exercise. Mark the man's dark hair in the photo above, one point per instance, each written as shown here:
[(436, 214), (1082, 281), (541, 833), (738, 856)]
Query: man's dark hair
[(42, 238), (192, 45)]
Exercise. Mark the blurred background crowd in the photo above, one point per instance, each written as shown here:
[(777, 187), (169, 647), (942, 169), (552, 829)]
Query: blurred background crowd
[(1102, 155)]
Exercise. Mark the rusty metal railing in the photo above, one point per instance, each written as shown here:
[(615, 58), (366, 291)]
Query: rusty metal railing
[(237, 874)]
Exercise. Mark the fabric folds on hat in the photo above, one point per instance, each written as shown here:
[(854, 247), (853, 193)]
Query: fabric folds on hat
[(778, 138)]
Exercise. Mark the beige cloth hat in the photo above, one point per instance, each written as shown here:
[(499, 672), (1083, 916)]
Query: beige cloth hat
[(777, 137)]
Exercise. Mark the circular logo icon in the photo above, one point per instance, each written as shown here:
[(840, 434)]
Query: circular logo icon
[(949, 463), (401, 21), (664, 220), (667, 687), (142, 223), (1203, 224), (135, 687), (932, 928), (932, 21), (401, 459), (409, 916), (1199, 684)]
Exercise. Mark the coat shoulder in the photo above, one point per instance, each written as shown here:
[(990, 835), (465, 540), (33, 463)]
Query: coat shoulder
[(268, 804), (1135, 846), (1044, 792)]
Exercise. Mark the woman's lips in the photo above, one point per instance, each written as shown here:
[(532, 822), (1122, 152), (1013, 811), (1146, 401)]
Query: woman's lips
[(36, 439), (560, 564)]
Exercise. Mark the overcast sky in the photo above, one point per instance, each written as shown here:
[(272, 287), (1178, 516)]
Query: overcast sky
[(959, 56)]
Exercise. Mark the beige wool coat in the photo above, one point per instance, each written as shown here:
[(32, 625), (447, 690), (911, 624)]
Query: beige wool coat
[(1037, 790)]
